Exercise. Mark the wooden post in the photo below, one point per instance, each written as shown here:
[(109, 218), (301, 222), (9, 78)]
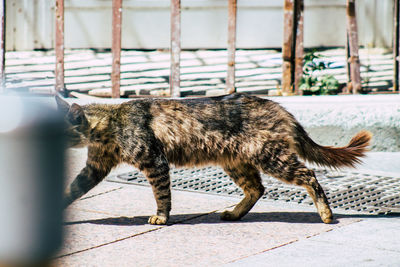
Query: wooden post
[(116, 47), (232, 15), (348, 89), (299, 46), (292, 49), (287, 48), (353, 47), (175, 48), (2, 45), (59, 46), (396, 47)]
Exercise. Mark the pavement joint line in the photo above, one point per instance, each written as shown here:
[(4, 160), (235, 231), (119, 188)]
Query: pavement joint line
[(102, 193), (294, 241), (332, 229), (95, 211), (335, 228), (192, 218), (266, 250), (201, 215), (107, 243), (337, 243)]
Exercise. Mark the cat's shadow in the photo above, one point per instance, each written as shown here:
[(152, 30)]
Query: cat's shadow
[(214, 218)]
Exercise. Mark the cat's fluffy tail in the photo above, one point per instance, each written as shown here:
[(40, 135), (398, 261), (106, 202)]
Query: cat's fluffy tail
[(335, 157)]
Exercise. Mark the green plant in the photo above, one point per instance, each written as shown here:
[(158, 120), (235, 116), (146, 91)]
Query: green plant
[(312, 84)]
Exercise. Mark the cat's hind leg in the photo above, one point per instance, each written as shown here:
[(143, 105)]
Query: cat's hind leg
[(247, 177), (307, 179), (286, 167), (314, 189)]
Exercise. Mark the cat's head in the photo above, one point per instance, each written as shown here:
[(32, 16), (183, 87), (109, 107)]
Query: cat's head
[(77, 123)]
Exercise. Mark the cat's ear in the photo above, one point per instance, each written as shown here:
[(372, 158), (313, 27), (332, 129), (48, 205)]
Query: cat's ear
[(76, 116), (62, 105)]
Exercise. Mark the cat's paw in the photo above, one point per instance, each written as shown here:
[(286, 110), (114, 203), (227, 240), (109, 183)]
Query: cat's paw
[(158, 219), (325, 213), (326, 216), (229, 216)]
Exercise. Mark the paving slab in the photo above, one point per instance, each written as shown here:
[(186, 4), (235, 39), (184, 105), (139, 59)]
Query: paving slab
[(91, 229), (104, 228), (118, 214), (371, 242)]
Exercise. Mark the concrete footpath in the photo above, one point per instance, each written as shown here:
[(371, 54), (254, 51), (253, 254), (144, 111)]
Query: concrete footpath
[(108, 226)]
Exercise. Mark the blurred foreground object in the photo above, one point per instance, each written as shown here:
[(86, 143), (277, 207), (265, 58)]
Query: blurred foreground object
[(32, 149)]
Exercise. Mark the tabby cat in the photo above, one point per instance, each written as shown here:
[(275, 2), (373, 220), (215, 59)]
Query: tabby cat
[(243, 134)]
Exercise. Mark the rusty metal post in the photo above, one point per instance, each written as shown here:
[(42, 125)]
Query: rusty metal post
[(232, 15), (116, 48), (353, 46), (396, 32), (299, 46), (59, 47), (175, 48), (2, 45), (287, 48)]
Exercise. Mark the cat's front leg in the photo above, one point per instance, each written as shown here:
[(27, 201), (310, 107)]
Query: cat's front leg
[(88, 178), (157, 173), (98, 166)]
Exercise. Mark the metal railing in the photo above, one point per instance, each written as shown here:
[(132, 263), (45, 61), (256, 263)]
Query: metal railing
[(175, 46), (293, 50), (292, 47)]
